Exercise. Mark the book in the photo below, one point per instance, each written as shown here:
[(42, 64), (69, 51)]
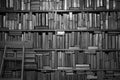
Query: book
[(30, 75), (80, 21), (39, 61), (82, 66), (1, 57)]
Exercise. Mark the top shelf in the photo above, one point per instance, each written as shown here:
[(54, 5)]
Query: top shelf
[(58, 11)]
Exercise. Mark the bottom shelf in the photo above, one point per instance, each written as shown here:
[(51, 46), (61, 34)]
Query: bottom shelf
[(10, 79)]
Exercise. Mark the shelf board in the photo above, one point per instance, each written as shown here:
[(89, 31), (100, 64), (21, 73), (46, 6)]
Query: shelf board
[(34, 69), (78, 69), (43, 30), (66, 30), (63, 11), (98, 50), (30, 57), (58, 49), (38, 49), (32, 62), (104, 70)]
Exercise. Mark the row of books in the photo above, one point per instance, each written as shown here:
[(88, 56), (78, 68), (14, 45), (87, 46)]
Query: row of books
[(69, 60), (80, 40), (48, 60), (11, 65), (25, 21), (67, 40), (59, 4), (106, 60), (57, 75), (112, 75), (15, 21), (91, 4), (15, 36), (8, 68), (77, 60), (11, 74), (69, 75)]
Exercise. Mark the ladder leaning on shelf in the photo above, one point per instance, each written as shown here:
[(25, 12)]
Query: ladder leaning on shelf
[(21, 59)]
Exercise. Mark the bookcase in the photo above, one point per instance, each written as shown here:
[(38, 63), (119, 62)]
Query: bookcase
[(63, 39)]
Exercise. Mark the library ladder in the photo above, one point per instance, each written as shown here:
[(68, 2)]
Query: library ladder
[(14, 47)]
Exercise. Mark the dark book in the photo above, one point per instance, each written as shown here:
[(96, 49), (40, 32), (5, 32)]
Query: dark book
[(46, 60), (39, 75), (1, 24), (3, 4), (39, 61), (1, 57), (0, 4), (40, 41), (100, 75), (44, 41), (34, 40), (30, 75), (117, 4), (60, 59)]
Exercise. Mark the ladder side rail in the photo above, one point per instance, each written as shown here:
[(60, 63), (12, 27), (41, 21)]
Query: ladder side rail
[(22, 70), (2, 64)]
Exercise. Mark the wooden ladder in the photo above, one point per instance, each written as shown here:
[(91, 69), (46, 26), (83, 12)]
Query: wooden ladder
[(13, 47)]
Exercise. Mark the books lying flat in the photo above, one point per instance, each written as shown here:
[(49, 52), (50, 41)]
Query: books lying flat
[(82, 66), (91, 77), (65, 68)]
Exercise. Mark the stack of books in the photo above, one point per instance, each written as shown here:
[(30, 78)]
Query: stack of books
[(35, 5), (82, 66)]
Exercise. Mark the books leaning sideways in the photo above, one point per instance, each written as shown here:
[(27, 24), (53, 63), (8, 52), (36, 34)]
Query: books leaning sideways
[(82, 66)]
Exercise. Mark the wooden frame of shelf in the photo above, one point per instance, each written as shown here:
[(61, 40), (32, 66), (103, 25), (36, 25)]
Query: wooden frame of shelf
[(95, 13), (67, 30), (73, 69), (37, 49), (63, 11)]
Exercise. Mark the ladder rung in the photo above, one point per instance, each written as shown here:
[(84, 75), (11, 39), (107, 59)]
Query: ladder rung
[(30, 62), (12, 58), (29, 57), (14, 44), (30, 67)]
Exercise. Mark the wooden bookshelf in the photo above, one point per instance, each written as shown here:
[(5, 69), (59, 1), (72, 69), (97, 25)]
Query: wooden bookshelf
[(63, 39), (18, 59)]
